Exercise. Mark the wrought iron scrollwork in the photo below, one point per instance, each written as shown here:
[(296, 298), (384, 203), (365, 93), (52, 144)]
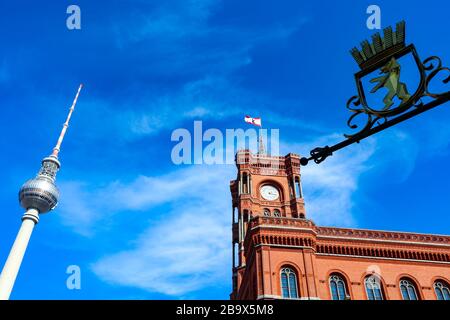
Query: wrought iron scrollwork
[(428, 70), (371, 120), (434, 70), (382, 56)]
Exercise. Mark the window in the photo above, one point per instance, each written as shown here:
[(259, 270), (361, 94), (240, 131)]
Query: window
[(288, 284), (408, 290), (373, 288), (245, 183), (267, 212), (291, 189), (442, 291), (298, 188), (338, 288), (276, 213)]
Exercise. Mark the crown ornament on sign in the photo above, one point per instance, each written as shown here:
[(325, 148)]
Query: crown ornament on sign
[(381, 47)]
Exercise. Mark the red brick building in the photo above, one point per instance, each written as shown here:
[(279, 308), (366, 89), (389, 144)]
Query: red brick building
[(279, 254)]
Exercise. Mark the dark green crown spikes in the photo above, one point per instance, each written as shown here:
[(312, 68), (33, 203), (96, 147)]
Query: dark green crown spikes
[(380, 47)]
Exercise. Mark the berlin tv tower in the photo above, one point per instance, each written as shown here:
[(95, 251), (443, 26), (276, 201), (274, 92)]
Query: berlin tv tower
[(37, 196)]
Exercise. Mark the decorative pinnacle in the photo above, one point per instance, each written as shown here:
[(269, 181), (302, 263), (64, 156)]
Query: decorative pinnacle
[(57, 148), (380, 46), (261, 147)]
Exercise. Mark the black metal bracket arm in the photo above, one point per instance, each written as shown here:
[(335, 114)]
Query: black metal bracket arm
[(319, 154)]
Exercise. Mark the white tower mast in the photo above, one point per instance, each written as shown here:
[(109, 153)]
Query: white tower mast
[(37, 196)]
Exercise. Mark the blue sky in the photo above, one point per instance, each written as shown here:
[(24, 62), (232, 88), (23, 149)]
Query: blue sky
[(141, 227)]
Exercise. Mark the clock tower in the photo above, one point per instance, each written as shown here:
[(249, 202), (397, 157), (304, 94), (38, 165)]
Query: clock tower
[(279, 254), (266, 186)]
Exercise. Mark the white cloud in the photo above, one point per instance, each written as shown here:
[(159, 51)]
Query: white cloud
[(397, 152), (329, 187), (177, 19), (197, 99), (75, 208), (208, 93), (332, 187), (83, 206), (188, 251), (130, 120), (201, 99), (185, 249), (146, 192)]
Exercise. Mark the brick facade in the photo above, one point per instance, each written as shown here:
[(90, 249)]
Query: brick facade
[(264, 244)]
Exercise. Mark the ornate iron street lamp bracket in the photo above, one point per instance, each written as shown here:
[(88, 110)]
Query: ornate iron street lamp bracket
[(383, 55)]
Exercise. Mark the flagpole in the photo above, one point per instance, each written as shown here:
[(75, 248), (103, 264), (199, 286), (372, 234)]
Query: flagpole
[(257, 122), (261, 147)]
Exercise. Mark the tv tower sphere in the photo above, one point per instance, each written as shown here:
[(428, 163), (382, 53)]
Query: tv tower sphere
[(41, 192)]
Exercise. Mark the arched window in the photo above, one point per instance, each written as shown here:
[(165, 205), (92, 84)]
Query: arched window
[(276, 213), (289, 284), (298, 188), (245, 182), (338, 288), (266, 212), (408, 290), (373, 288), (291, 189), (442, 291)]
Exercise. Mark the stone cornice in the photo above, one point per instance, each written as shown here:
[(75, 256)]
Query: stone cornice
[(384, 258), (282, 222), (407, 237), (350, 234), (248, 198)]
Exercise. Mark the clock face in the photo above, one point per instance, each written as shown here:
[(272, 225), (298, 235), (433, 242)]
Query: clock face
[(269, 192)]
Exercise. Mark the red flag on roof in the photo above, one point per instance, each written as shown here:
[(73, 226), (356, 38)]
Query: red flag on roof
[(254, 121)]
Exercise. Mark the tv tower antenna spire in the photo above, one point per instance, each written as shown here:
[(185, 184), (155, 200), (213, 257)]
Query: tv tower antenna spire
[(37, 196), (57, 148)]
